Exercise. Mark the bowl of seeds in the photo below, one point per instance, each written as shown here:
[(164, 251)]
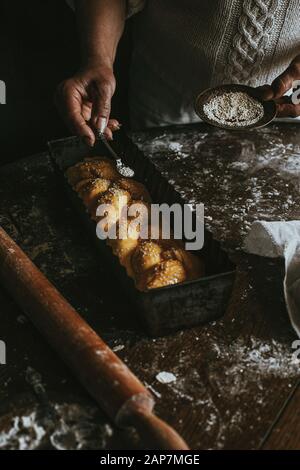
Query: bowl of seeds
[(234, 107)]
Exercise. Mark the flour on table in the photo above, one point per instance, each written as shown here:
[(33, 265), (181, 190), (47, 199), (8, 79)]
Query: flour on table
[(259, 176), (25, 433), (77, 429), (166, 377), (72, 427), (119, 347), (216, 390)]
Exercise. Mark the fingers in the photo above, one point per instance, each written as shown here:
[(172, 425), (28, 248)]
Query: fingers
[(280, 86), (108, 133), (102, 92), (87, 111), (114, 125), (284, 82), (264, 92), (83, 101), (285, 108), (69, 99)]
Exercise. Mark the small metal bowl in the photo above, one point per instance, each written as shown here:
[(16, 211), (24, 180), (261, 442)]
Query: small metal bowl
[(270, 109)]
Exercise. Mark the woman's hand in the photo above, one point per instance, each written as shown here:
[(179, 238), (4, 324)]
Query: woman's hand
[(280, 86), (85, 102)]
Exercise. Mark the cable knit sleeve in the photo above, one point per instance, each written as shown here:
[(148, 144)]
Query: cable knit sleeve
[(133, 6)]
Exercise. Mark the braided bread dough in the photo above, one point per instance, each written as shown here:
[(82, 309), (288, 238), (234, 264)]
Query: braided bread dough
[(151, 263)]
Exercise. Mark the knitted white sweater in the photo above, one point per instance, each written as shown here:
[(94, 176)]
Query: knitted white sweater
[(184, 46)]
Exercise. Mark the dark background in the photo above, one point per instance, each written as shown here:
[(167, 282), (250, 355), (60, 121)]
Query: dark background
[(38, 49)]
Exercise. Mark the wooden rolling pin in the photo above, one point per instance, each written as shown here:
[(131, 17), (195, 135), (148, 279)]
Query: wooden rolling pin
[(108, 380)]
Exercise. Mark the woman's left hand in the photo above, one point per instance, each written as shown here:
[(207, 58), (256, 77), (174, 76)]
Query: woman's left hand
[(280, 86)]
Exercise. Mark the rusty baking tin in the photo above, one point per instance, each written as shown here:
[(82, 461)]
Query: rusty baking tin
[(167, 308)]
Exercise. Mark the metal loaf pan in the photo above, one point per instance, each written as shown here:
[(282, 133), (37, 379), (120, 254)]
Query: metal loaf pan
[(168, 308)]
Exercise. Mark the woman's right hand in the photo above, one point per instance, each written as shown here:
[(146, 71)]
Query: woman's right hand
[(85, 102)]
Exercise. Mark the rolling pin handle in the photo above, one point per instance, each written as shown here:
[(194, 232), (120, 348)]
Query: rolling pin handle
[(138, 412), (157, 433)]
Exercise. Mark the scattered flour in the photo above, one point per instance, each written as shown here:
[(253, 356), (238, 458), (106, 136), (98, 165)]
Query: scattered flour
[(76, 429), (73, 427), (175, 147), (24, 433), (166, 377), (216, 390), (239, 179), (152, 389), (119, 347)]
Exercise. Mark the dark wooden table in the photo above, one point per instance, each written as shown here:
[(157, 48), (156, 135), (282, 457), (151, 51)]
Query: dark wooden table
[(237, 385)]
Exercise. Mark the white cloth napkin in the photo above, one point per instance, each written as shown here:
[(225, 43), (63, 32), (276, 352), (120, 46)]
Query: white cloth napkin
[(281, 239)]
